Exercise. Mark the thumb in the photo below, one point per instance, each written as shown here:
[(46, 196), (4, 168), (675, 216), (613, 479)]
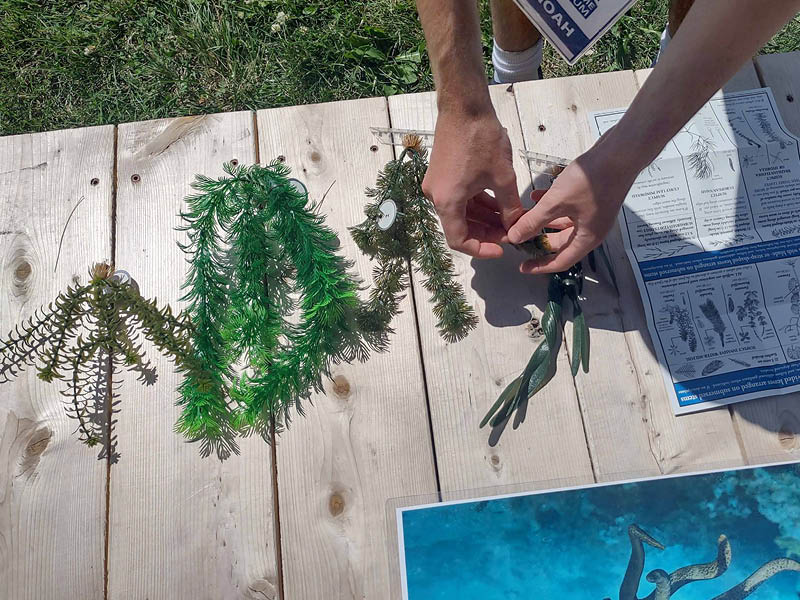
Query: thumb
[(507, 198), (531, 223)]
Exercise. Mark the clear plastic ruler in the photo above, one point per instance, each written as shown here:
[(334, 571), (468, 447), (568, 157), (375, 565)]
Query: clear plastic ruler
[(538, 164)]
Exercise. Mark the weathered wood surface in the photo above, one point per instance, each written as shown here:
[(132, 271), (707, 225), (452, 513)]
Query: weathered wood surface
[(770, 427), (367, 439), (52, 489), (464, 379), (180, 526)]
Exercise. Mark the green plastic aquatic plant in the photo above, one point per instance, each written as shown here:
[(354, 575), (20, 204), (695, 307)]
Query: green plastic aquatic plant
[(401, 228)]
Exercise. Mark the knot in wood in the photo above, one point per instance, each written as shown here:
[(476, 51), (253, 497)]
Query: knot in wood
[(316, 156), (336, 504), (341, 387), (495, 460), (22, 271)]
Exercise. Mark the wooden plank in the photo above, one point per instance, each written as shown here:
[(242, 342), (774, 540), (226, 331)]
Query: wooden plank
[(770, 427), (629, 423), (781, 72), (464, 379), (52, 488), (367, 439), (193, 527)]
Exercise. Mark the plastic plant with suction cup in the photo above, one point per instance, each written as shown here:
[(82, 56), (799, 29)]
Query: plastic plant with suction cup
[(401, 228), (85, 335), (259, 254)]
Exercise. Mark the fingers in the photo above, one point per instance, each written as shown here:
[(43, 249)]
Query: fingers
[(483, 212), (472, 237), (560, 223), (532, 222), (507, 197), (569, 252)]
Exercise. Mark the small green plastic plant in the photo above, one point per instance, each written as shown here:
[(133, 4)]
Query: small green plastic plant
[(85, 335), (401, 228)]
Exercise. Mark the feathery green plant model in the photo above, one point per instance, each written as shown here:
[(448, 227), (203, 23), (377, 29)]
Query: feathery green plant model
[(258, 253), (401, 228), (85, 335)]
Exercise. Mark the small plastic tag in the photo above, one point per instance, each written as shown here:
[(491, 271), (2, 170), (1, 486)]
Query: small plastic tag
[(388, 214)]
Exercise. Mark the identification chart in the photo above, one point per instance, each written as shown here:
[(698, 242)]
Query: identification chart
[(712, 230)]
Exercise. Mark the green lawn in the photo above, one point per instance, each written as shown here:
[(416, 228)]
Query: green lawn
[(68, 63)]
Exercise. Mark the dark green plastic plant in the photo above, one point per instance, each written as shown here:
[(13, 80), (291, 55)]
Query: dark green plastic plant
[(85, 335), (410, 234)]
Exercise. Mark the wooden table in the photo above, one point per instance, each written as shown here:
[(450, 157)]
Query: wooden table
[(305, 519)]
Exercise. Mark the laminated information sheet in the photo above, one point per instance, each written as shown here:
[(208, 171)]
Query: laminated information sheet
[(712, 230)]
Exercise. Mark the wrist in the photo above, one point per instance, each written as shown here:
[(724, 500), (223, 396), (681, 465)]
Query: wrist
[(470, 101), (628, 152)]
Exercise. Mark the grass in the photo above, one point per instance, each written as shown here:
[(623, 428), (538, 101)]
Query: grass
[(70, 63)]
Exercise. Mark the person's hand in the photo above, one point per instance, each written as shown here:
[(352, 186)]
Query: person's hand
[(582, 204), (470, 155)]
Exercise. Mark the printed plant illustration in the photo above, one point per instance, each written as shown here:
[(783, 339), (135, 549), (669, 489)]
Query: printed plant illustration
[(785, 230), (668, 584), (739, 238), (731, 305), (711, 313), (712, 367), (739, 362), (686, 330), (738, 131), (655, 252), (769, 132), (750, 313), (700, 154), (793, 327), (686, 371), (653, 168)]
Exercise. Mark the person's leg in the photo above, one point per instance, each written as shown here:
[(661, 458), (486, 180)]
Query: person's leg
[(517, 52), (677, 12)]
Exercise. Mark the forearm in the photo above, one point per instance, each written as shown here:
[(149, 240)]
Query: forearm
[(452, 32), (712, 44)]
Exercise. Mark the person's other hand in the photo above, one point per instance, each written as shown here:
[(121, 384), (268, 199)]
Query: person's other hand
[(582, 203), (470, 155)]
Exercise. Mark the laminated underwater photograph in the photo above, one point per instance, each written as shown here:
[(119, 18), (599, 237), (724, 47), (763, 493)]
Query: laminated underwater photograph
[(721, 535)]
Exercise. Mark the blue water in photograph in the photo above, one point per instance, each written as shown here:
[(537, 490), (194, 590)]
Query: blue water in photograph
[(575, 544)]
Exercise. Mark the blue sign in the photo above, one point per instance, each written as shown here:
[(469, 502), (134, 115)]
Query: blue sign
[(573, 26)]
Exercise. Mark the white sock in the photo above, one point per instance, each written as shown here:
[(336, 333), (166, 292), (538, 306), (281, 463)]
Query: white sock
[(511, 67), (666, 38)]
